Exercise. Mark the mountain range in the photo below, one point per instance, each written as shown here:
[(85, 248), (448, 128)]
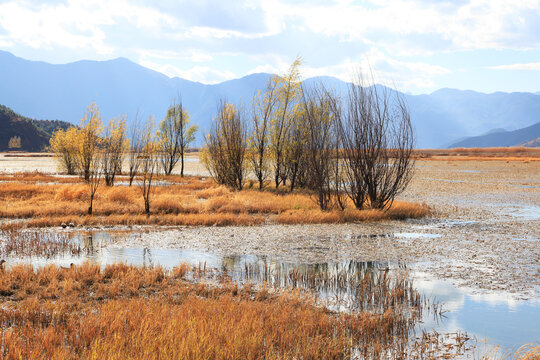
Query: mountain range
[(528, 136), (63, 91)]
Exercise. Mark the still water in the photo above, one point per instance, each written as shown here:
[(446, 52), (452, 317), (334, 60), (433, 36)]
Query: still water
[(495, 318)]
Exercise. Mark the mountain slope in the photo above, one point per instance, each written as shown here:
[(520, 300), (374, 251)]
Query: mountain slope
[(504, 138), (34, 134), (119, 86)]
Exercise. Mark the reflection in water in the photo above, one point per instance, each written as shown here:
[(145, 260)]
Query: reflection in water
[(500, 320)]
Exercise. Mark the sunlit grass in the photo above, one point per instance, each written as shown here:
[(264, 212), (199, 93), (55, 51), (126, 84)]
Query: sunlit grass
[(181, 201), (148, 313)]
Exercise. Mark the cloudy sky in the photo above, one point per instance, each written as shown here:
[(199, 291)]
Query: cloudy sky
[(418, 45)]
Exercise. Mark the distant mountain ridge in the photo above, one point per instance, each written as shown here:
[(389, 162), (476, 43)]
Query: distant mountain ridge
[(522, 137), (41, 90), (34, 134)]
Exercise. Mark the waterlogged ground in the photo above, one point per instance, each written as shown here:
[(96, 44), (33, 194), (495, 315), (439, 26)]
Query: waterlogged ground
[(479, 254)]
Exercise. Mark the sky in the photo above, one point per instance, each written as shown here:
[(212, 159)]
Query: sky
[(417, 46)]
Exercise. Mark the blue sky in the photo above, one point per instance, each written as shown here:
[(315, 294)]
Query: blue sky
[(418, 45)]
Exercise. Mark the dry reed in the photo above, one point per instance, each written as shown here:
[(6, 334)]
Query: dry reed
[(149, 313), (183, 201)]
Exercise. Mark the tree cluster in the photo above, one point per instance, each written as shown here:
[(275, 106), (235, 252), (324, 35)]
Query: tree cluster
[(359, 147), (96, 152)]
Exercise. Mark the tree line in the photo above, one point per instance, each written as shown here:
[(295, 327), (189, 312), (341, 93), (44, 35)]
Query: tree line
[(98, 152), (359, 147)]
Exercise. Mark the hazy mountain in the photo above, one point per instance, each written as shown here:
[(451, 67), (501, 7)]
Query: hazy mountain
[(119, 86), (525, 136), (34, 134)]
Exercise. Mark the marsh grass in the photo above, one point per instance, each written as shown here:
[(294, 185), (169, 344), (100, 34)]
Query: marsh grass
[(43, 202), (37, 243), (512, 153), (131, 312)]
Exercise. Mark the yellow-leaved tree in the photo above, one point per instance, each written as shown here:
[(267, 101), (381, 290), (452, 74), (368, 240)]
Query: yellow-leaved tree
[(175, 136), (149, 150), (114, 147), (262, 109), (288, 96), (89, 141), (63, 144)]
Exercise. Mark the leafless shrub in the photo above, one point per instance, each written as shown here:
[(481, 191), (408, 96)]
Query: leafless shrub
[(378, 141)]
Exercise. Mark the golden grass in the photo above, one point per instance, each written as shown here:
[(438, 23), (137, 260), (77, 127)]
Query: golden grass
[(184, 201), (513, 153), (148, 313)]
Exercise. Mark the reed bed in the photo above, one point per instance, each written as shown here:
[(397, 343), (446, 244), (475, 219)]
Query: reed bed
[(38, 243), (131, 312), (42, 201)]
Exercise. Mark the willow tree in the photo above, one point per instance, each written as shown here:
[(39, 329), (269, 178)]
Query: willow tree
[(175, 137), (262, 109), (148, 162), (288, 96), (88, 141), (63, 144), (114, 144), (225, 150)]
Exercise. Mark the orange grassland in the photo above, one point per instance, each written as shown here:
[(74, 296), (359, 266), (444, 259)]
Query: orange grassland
[(122, 312), (46, 200)]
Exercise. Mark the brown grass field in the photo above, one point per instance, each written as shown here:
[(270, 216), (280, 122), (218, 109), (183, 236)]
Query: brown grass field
[(47, 200), (125, 312), (513, 153)]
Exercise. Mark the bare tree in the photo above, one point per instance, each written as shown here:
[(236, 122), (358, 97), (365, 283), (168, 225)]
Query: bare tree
[(175, 137), (320, 119), (135, 148), (226, 147), (148, 162), (296, 157), (378, 141), (113, 149)]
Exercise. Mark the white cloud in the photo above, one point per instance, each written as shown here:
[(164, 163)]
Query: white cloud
[(526, 66), (76, 24), (192, 55), (476, 24), (203, 74), (386, 70)]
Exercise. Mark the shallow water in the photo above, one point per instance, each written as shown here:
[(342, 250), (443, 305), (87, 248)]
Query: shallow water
[(494, 317)]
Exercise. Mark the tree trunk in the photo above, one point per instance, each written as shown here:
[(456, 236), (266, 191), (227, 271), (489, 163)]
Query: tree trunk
[(182, 165), (147, 206), (91, 205)]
